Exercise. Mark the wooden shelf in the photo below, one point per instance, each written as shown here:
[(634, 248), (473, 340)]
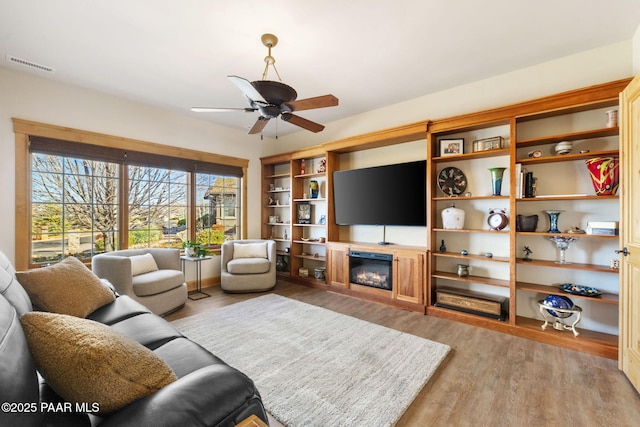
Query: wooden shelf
[(568, 157), (317, 199), (564, 197), (572, 136), (473, 279), (469, 156), (457, 255), (309, 225), (448, 230), (278, 206), (315, 258), (310, 242), (605, 298), (570, 265), (277, 239), (284, 190), (462, 198), (598, 343), (582, 236), (311, 175), (278, 175)]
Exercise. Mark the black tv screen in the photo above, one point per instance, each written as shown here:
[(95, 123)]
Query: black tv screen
[(381, 195)]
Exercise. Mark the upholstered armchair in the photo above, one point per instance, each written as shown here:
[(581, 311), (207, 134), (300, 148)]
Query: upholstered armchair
[(248, 265), (150, 276)]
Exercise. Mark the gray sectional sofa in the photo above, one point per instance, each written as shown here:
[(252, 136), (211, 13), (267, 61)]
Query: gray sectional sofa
[(205, 391)]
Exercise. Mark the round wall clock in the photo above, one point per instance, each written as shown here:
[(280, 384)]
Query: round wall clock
[(452, 181), (498, 219)]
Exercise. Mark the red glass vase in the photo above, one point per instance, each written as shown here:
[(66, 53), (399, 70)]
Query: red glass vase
[(605, 174)]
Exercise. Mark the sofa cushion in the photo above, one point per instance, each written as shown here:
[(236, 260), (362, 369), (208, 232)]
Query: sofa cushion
[(18, 379), (67, 287), (184, 356), (141, 264), (147, 329), (250, 250), (11, 289), (86, 362), (248, 266), (157, 282), (122, 308)]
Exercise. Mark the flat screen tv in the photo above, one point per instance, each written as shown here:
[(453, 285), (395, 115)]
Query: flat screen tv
[(382, 195)]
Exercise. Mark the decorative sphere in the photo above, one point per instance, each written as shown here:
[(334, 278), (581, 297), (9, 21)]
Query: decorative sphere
[(464, 252), (558, 301)]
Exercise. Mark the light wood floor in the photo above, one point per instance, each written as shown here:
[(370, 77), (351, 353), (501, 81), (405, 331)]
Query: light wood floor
[(488, 378)]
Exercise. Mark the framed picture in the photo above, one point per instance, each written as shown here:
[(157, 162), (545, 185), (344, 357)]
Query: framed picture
[(486, 144), (304, 213), (451, 147)]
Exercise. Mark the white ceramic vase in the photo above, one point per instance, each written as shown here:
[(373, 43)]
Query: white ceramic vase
[(453, 218)]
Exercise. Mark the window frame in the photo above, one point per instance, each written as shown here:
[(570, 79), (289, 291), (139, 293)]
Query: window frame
[(23, 129)]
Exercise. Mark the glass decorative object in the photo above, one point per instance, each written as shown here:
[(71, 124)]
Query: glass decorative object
[(605, 175), (553, 220), (314, 189), (562, 243), (496, 180), (556, 307)]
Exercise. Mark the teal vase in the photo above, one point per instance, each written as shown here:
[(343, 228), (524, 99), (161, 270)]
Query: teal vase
[(496, 180)]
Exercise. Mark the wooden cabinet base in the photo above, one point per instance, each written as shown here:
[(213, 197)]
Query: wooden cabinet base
[(370, 294)]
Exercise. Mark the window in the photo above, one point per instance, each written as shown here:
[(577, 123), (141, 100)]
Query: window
[(218, 206), (73, 207), (83, 198), (157, 207)]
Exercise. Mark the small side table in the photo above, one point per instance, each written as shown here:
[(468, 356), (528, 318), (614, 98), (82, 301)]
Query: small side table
[(197, 293)]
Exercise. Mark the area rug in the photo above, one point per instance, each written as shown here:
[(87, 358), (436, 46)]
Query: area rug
[(315, 367)]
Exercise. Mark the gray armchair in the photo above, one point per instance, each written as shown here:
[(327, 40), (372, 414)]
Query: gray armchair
[(157, 283), (248, 265)]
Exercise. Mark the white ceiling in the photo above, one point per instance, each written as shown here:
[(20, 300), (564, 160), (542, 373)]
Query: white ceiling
[(177, 54)]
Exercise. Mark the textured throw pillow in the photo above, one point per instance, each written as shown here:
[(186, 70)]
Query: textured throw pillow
[(250, 250), (87, 362), (141, 264), (67, 287)]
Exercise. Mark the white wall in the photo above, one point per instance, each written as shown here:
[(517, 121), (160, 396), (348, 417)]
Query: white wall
[(587, 68), (32, 97), (636, 51)]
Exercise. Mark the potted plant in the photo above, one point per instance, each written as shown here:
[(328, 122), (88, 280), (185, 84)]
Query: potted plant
[(191, 248)]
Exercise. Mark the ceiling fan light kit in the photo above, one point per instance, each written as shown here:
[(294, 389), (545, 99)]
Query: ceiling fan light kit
[(273, 99)]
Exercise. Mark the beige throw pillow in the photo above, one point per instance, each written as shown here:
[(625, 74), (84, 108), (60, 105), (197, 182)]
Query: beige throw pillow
[(87, 362), (67, 287), (141, 264), (250, 250)]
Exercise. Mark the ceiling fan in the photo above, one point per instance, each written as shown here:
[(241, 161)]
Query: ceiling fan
[(274, 98)]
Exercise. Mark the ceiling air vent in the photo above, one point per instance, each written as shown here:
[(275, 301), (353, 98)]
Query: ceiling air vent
[(29, 64)]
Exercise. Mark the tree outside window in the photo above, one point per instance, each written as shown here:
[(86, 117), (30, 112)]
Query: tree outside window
[(76, 205)]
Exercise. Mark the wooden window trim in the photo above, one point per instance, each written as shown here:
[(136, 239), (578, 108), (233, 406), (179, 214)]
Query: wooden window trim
[(25, 128)]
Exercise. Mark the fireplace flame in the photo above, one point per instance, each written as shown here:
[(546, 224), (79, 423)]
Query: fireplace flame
[(364, 277)]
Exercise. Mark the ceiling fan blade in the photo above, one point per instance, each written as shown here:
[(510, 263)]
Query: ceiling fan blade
[(258, 125), (247, 88), (315, 102), (221, 110), (302, 122)]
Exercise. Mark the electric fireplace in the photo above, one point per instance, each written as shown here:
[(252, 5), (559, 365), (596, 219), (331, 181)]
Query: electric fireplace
[(371, 269)]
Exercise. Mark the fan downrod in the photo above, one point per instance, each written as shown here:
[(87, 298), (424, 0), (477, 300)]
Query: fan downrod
[(269, 40)]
